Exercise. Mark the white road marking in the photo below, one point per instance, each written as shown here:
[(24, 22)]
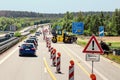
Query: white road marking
[(102, 76), (45, 70), (5, 58)]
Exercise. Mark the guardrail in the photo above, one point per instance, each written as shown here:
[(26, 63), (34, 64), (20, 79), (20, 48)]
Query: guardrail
[(7, 44), (2, 39)]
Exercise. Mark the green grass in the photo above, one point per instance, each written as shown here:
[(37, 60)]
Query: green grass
[(114, 58), (81, 42), (114, 45)]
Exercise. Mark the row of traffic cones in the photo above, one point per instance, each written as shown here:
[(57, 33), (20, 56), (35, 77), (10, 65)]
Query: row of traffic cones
[(56, 61)]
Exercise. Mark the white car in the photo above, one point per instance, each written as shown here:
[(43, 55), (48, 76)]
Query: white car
[(37, 33)]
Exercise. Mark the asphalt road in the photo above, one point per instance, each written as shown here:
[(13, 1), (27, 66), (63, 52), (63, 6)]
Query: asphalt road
[(13, 67)]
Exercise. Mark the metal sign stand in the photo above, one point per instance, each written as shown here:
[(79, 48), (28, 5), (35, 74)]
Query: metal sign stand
[(92, 66), (91, 48)]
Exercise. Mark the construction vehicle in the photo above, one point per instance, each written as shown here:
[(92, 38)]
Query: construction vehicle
[(63, 36)]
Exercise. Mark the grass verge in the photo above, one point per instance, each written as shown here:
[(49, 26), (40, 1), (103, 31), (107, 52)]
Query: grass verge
[(114, 58)]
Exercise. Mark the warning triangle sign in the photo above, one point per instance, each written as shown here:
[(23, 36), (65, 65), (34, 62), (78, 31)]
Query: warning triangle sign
[(93, 46)]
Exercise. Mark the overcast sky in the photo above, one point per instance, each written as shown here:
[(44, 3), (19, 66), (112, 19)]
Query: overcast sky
[(59, 6)]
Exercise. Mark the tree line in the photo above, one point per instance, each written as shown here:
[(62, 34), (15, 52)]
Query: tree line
[(18, 22), (91, 20), (110, 21)]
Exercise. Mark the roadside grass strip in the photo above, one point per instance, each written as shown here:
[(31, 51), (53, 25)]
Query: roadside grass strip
[(48, 69)]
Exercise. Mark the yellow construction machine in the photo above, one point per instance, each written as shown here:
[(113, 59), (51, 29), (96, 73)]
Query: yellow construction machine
[(62, 36)]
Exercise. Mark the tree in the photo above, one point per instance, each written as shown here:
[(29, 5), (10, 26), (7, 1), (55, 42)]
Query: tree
[(80, 17), (102, 18)]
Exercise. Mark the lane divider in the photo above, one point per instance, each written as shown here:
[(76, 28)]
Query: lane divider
[(5, 58), (48, 69), (58, 64), (54, 58), (71, 70)]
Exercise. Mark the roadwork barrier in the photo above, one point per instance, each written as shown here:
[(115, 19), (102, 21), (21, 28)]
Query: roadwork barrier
[(54, 57), (51, 51), (58, 64), (71, 70)]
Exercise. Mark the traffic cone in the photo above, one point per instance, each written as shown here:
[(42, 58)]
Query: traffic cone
[(71, 70), (58, 63)]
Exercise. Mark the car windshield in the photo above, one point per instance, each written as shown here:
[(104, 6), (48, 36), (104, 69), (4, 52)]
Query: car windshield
[(27, 46), (37, 32), (30, 41), (33, 38)]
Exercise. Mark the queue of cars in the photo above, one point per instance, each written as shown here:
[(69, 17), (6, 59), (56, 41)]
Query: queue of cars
[(29, 47)]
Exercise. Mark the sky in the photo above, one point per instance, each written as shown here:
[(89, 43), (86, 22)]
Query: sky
[(59, 6)]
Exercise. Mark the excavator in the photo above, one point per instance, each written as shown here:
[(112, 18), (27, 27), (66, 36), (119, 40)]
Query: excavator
[(63, 36)]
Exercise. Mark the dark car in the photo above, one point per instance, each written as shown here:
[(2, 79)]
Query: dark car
[(27, 49), (12, 34), (8, 36), (32, 41)]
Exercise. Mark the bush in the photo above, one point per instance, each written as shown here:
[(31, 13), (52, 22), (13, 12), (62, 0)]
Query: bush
[(17, 34), (33, 31), (87, 33)]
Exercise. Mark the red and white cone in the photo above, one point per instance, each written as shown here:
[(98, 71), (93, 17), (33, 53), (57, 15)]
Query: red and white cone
[(71, 70), (49, 48), (51, 51), (54, 57), (58, 63), (46, 43)]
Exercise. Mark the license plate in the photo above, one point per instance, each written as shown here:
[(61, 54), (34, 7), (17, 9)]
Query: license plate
[(27, 49)]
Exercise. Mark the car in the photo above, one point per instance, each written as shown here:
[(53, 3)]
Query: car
[(12, 34), (31, 41), (34, 36), (37, 33), (27, 49), (8, 36), (36, 40)]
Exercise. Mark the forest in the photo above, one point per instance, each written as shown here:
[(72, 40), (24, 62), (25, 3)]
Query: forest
[(92, 20), (110, 21)]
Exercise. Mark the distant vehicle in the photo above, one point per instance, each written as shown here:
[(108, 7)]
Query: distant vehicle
[(34, 36), (8, 36), (37, 33), (40, 31), (32, 41), (36, 40), (12, 34), (27, 49)]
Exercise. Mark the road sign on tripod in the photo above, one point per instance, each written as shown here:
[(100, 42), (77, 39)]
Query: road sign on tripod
[(93, 46)]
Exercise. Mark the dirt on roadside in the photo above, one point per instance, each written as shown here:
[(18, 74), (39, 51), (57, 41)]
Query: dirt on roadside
[(106, 39)]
